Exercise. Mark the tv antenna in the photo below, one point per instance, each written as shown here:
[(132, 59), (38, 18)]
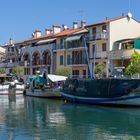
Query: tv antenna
[(129, 13)]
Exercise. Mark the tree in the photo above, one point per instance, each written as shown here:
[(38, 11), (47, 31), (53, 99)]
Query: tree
[(134, 66), (2, 71), (64, 71), (18, 71), (100, 69)]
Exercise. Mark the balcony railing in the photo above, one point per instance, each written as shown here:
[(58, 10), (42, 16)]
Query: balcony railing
[(97, 36), (68, 46), (59, 47), (118, 54)]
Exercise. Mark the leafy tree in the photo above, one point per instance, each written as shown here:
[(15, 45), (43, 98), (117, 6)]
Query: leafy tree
[(129, 46), (64, 71), (2, 71), (100, 69), (18, 71), (134, 66)]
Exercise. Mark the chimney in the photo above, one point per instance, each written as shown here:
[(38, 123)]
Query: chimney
[(83, 24), (65, 27), (48, 31), (56, 29), (75, 25), (37, 33)]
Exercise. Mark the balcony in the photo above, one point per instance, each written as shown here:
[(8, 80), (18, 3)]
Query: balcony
[(59, 47), (118, 54), (2, 65), (13, 64), (97, 36), (101, 54)]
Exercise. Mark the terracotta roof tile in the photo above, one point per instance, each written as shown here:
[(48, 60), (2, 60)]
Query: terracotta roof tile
[(68, 32), (106, 21), (62, 33), (34, 38)]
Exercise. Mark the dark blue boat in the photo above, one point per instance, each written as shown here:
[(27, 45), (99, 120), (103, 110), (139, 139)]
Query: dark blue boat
[(119, 92)]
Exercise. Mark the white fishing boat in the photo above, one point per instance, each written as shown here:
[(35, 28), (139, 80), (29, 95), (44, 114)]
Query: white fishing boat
[(4, 89), (9, 85), (4, 84)]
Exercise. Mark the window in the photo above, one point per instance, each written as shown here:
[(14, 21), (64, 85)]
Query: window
[(103, 27), (12, 49), (93, 50), (94, 32), (49, 70), (26, 71), (68, 59), (84, 73), (104, 47), (75, 73), (61, 59)]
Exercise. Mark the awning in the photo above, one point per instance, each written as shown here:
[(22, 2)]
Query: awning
[(40, 79), (46, 41), (56, 78), (137, 43), (72, 38)]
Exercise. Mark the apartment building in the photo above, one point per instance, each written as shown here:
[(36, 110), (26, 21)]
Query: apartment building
[(122, 51), (78, 47), (104, 34), (71, 50)]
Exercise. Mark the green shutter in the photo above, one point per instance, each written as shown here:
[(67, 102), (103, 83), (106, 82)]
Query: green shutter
[(61, 60), (137, 43), (68, 59)]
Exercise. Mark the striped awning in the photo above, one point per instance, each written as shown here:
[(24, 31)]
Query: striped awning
[(72, 38), (46, 41)]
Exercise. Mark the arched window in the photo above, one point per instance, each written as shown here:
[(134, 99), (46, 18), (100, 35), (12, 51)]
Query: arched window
[(36, 58), (46, 58)]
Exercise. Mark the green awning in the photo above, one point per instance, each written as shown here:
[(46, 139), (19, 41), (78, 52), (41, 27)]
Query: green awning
[(137, 43), (72, 38)]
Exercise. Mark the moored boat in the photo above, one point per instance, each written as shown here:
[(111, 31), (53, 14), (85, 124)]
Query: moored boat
[(48, 87), (111, 92), (9, 84)]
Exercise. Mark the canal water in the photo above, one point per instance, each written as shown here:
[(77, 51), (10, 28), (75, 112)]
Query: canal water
[(28, 118)]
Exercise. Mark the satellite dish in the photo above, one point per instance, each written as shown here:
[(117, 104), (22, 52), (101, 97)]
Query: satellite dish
[(129, 15)]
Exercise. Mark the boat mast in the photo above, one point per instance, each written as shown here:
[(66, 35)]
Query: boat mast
[(87, 58), (93, 64)]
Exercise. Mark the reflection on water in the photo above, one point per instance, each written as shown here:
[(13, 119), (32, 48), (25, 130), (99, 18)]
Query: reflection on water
[(42, 119)]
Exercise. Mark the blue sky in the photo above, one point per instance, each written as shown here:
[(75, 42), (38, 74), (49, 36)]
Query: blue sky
[(19, 18)]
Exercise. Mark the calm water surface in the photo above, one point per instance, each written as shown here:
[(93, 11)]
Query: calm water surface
[(45, 119)]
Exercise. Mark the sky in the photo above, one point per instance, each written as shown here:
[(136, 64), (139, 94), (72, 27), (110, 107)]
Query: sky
[(20, 18)]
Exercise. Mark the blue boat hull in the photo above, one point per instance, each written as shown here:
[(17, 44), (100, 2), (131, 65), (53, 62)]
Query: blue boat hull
[(133, 100)]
